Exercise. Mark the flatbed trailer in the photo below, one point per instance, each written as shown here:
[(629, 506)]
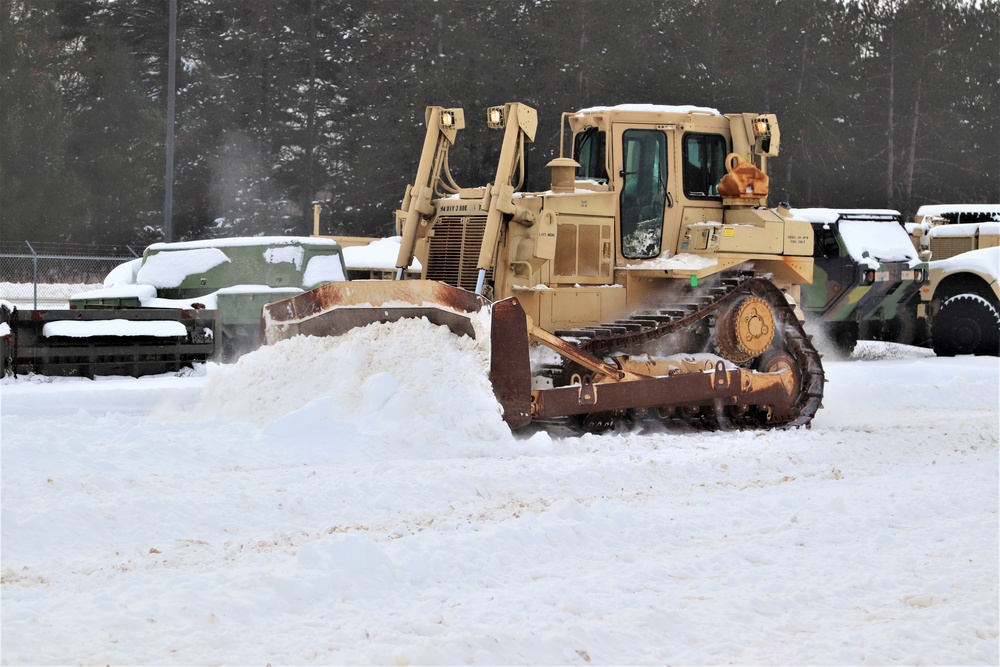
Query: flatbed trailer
[(108, 341)]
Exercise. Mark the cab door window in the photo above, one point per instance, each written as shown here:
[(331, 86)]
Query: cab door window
[(644, 192)]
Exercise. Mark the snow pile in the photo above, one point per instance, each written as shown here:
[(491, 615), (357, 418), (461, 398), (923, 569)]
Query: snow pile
[(404, 383), (882, 239)]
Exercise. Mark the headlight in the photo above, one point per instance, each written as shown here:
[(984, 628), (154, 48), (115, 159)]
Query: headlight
[(449, 118), (494, 118)]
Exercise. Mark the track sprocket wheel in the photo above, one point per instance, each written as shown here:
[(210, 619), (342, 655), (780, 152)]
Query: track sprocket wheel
[(745, 330)]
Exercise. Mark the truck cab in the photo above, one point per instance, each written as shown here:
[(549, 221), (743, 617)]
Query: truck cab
[(866, 279)]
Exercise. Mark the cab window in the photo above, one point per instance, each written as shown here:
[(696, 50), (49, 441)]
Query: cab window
[(704, 165), (825, 242), (589, 151)]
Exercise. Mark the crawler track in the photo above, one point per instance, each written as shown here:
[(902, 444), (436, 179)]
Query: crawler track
[(700, 308)]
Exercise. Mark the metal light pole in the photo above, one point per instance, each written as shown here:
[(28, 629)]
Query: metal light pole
[(168, 203)]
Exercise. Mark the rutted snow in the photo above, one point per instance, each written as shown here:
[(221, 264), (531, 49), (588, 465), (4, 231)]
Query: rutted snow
[(359, 502)]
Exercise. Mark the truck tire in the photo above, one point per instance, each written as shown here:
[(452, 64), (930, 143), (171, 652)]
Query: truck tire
[(966, 324), (843, 336), (900, 329)]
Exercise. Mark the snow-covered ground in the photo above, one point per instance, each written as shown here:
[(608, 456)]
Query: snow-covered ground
[(49, 296), (359, 500)]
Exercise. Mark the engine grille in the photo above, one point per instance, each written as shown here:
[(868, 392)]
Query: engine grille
[(943, 247), (454, 251)]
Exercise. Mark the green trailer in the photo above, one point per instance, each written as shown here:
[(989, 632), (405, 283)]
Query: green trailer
[(234, 276)]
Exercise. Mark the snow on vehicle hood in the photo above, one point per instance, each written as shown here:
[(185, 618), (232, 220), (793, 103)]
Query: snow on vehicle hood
[(985, 261), (884, 241), (868, 241)]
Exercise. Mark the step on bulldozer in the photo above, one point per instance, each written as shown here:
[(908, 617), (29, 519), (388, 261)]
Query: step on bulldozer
[(653, 268)]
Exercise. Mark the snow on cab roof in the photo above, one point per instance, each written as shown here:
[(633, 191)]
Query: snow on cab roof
[(830, 215), (657, 108), (965, 229), (242, 241), (940, 209)]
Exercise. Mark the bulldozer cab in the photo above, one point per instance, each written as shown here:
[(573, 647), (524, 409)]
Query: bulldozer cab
[(678, 174)]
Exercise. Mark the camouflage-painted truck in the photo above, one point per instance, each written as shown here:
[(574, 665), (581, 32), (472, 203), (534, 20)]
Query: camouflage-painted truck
[(866, 276)]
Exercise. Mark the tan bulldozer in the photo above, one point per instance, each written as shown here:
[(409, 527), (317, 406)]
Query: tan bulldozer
[(652, 266)]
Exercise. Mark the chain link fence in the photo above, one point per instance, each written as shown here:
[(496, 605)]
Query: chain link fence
[(45, 275)]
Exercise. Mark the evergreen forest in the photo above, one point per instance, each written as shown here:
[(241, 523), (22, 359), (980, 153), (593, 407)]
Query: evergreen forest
[(280, 103)]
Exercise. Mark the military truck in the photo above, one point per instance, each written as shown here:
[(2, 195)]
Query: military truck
[(960, 304), (652, 268), (235, 276), (866, 277)]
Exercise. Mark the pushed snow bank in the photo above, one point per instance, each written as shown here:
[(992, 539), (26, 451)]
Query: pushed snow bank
[(410, 383)]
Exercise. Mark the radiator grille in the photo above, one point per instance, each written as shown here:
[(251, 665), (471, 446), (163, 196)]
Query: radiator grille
[(943, 247), (454, 251)]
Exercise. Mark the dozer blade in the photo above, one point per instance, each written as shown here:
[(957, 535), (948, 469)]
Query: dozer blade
[(336, 308)]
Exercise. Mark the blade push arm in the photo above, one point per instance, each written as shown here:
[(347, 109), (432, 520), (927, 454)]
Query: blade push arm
[(442, 128), (520, 123)]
